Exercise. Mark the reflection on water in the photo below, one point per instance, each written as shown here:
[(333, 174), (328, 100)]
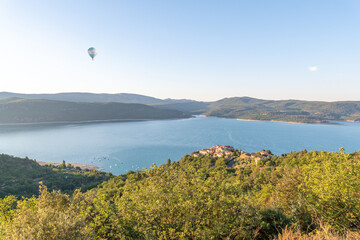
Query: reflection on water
[(122, 146)]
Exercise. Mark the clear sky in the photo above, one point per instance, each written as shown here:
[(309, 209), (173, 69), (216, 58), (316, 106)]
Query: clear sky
[(198, 49)]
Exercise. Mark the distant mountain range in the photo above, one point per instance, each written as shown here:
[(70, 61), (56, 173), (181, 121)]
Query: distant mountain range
[(95, 97), (270, 110), (154, 108), (20, 110)]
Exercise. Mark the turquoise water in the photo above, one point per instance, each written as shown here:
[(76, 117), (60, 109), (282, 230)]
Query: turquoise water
[(121, 146)]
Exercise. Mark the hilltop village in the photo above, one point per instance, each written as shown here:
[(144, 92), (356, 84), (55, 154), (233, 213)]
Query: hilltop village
[(234, 156)]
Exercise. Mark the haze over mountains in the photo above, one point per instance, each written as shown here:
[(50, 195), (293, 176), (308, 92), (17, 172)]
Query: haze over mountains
[(94, 97), (149, 108), (21, 110)]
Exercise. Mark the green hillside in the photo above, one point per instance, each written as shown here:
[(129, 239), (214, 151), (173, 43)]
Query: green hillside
[(188, 107), (18, 110), (282, 110), (21, 177), (300, 195)]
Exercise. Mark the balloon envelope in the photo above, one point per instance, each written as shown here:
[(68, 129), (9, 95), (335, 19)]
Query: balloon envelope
[(92, 52)]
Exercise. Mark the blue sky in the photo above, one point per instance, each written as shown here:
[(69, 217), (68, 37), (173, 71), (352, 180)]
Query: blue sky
[(198, 49)]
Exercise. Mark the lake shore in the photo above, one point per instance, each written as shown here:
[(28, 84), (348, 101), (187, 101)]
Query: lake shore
[(354, 121), (88, 121), (139, 120), (295, 122), (248, 120), (252, 120), (80, 165)]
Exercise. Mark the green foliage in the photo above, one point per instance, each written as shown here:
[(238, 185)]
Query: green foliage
[(201, 198), (7, 206), (332, 188), (284, 110), (50, 216), (21, 177)]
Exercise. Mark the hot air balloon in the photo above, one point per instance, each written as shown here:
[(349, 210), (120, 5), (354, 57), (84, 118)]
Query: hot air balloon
[(92, 52)]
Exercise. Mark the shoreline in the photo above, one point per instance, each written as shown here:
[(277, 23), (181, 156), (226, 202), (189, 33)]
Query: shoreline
[(353, 121), (90, 121), (248, 120), (83, 166), (253, 120), (146, 119), (296, 122)]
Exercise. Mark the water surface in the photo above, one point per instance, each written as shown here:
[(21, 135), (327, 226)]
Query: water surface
[(121, 146)]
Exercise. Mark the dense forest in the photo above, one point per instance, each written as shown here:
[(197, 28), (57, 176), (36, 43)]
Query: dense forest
[(282, 110), (299, 195), (285, 110), (21, 176), (19, 110)]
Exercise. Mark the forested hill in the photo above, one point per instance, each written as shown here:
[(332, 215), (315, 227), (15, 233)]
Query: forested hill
[(300, 195), (282, 110), (18, 110), (21, 176)]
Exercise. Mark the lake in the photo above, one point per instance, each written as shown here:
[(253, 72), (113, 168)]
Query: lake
[(118, 147)]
